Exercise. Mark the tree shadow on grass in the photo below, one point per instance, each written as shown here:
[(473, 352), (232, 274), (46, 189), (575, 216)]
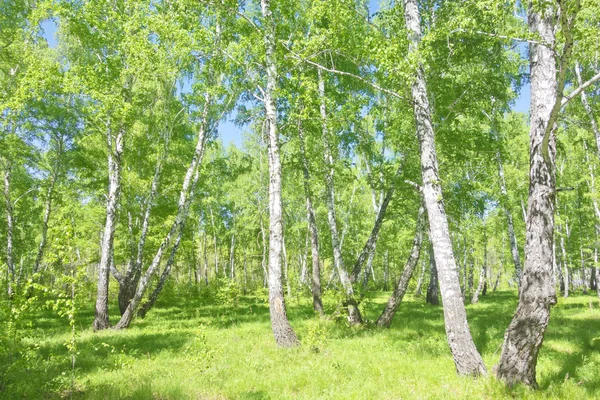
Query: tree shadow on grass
[(583, 335)]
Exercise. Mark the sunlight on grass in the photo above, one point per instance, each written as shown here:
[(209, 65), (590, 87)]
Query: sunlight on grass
[(189, 347)]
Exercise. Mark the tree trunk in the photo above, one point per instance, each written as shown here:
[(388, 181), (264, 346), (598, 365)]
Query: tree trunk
[(525, 334), (232, 257), (419, 289), (114, 190), (482, 285), (514, 249), (597, 281), (588, 110), (467, 359), (166, 272), (369, 247), (482, 275), (386, 270), (9, 231), (385, 319), (47, 212), (264, 253), (354, 317), (432, 289), (582, 269), (129, 281), (286, 274), (185, 197), (463, 288), (282, 330), (212, 221), (565, 265), (245, 272)]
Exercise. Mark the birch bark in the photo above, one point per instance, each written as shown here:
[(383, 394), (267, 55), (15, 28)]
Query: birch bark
[(354, 317), (467, 359), (282, 330), (385, 319), (524, 336), (115, 153)]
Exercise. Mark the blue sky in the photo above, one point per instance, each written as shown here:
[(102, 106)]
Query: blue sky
[(229, 132)]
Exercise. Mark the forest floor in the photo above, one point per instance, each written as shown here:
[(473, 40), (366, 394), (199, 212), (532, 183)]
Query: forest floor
[(196, 345)]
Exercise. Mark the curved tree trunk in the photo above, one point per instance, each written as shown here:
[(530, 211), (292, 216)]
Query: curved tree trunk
[(524, 336), (282, 330), (467, 359), (385, 319)]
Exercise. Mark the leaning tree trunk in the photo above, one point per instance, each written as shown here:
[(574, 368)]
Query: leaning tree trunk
[(385, 319), (369, 247), (524, 336), (114, 190), (282, 330), (185, 197), (163, 277), (514, 250), (9, 231), (354, 317), (467, 359), (130, 279)]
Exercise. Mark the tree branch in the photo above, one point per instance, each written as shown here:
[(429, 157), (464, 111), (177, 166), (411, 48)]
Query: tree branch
[(579, 89), (338, 72)]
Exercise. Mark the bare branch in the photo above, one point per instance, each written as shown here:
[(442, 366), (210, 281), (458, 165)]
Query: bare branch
[(338, 72), (579, 90)]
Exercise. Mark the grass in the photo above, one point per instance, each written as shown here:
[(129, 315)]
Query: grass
[(193, 346)]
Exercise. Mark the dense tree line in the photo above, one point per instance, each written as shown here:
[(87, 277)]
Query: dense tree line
[(381, 152)]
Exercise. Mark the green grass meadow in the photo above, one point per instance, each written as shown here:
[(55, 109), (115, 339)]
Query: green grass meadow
[(196, 345)]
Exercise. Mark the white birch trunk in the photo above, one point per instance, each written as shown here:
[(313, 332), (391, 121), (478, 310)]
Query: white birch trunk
[(467, 359), (282, 330)]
